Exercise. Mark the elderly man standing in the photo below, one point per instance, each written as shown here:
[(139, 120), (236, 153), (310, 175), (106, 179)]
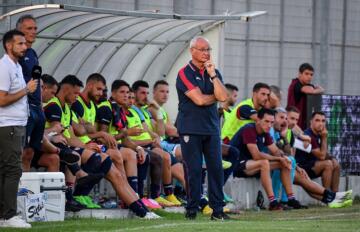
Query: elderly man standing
[(36, 121), (13, 119), (199, 86)]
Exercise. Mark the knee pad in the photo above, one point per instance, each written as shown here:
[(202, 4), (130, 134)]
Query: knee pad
[(73, 168), (93, 164), (106, 165)]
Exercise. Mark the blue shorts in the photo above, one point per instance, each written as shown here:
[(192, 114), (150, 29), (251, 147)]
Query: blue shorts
[(169, 147), (35, 128)]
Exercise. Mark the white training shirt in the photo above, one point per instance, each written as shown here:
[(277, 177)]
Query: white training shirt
[(12, 81)]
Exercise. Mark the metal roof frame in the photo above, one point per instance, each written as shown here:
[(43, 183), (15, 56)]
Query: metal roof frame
[(246, 16), (82, 40)]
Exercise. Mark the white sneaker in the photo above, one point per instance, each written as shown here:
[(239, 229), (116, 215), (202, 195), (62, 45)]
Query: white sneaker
[(151, 215), (344, 195), (15, 222)]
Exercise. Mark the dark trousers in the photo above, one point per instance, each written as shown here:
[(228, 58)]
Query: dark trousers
[(12, 140), (193, 147), (233, 157)]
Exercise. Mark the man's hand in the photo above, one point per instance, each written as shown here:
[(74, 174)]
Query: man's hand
[(134, 131), (285, 162), (319, 89), (156, 142), (32, 85), (141, 155), (324, 133), (109, 140), (154, 104), (58, 139), (302, 173), (93, 147), (58, 128), (210, 68)]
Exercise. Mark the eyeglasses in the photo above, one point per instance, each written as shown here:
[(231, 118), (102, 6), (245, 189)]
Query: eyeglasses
[(203, 49)]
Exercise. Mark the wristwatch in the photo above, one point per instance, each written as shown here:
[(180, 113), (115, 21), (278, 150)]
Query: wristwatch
[(213, 77)]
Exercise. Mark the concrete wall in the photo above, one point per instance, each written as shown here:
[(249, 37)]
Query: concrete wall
[(244, 191)]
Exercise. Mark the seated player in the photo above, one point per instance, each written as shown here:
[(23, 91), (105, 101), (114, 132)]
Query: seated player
[(284, 140), (58, 114), (141, 91), (250, 140), (123, 158), (319, 163)]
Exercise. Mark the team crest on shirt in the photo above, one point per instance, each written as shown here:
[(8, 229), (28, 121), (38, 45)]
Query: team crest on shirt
[(186, 138)]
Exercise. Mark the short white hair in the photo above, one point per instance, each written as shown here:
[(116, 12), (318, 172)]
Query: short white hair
[(196, 38)]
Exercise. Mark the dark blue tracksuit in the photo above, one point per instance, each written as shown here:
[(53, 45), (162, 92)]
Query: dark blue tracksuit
[(36, 122), (199, 132)]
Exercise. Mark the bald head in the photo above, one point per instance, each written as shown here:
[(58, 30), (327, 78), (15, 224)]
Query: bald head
[(197, 39)]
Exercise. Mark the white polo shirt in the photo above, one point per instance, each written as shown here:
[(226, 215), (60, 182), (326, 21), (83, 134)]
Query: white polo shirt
[(12, 81)]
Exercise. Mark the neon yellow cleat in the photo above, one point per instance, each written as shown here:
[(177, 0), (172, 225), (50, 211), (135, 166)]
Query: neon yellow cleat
[(172, 198), (163, 202), (340, 204), (208, 211), (226, 164), (348, 203)]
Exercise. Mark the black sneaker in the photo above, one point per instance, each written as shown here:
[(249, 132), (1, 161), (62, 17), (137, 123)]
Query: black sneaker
[(220, 216), (260, 200), (68, 157), (73, 206), (295, 204), (285, 206), (275, 206), (190, 215)]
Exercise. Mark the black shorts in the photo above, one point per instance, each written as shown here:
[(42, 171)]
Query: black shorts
[(308, 167), (240, 170)]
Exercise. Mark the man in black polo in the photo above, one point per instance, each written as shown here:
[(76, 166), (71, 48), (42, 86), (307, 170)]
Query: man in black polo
[(199, 86)]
